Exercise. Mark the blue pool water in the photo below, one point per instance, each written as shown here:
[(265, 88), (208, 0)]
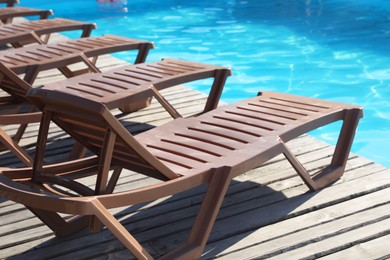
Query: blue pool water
[(333, 49)]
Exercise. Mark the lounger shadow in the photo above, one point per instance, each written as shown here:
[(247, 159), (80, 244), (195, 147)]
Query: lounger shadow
[(211, 149)]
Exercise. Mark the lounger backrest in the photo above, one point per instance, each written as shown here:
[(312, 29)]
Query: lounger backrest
[(94, 126)]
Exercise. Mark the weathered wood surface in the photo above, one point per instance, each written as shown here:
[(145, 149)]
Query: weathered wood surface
[(267, 213)]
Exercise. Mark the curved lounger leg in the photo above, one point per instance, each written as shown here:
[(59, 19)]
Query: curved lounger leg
[(340, 156), (120, 231)]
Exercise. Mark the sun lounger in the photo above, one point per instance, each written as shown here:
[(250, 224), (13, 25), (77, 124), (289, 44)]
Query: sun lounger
[(162, 74), (209, 149), (27, 32), (30, 60), (9, 2), (7, 14)]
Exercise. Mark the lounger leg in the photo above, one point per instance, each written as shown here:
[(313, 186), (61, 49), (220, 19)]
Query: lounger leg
[(113, 180), (142, 53), (347, 134), (87, 30), (120, 231), (91, 67), (103, 171), (168, 107), (14, 147), (216, 90), (340, 156), (206, 217)]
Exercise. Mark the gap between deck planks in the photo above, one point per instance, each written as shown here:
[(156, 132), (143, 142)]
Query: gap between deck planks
[(267, 212)]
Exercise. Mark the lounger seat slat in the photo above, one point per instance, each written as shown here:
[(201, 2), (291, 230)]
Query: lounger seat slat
[(182, 161), (194, 142), (153, 70), (291, 110), (241, 127), (292, 107), (141, 75), (315, 107), (123, 80), (136, 79), (46, 51), (138, 71), (239, 112), (257, 113), (279, 111), (9, 60), (230, 138), (245, 118), (37, 56), (186, 151), (214, 138)]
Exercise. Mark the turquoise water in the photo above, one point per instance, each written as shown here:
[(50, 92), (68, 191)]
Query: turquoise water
[(335, 49)]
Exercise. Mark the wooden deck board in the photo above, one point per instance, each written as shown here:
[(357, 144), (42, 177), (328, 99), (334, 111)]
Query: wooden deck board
[(267, 212)]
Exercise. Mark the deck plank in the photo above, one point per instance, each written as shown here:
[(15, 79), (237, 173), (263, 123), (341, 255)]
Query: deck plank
[(373, 249)]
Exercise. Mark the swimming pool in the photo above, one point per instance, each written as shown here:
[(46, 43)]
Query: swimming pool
[(334, 49)]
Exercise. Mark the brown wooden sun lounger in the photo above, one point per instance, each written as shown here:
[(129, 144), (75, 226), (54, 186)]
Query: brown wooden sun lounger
[(7, 14), (127, 81), (211, 148), (30, 60), (27, 32), (124, 79)]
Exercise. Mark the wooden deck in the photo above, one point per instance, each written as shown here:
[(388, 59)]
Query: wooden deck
[(267, 213)]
